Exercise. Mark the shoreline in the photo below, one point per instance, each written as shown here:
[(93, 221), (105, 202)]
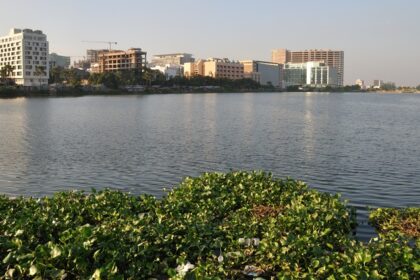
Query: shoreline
[(8, 93)]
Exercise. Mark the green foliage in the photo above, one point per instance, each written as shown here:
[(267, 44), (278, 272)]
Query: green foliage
[(388, 86), (418, 87), (237, 225), (401, 221), (114, 80)]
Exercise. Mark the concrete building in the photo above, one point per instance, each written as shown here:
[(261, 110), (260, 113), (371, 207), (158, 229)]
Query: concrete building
[(216, 68), (93, 55), (26, 51), (116, 60), (377, 83), (59, 61), (329, 57), (169, 70), (265, 73), (314, 74), (361, 84), (171, 59)]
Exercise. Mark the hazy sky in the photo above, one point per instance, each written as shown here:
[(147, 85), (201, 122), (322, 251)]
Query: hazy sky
[(381, 38)]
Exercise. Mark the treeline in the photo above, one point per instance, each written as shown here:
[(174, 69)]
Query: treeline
[(115, 80)]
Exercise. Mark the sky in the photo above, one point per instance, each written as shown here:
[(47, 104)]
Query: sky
[(380, 38)]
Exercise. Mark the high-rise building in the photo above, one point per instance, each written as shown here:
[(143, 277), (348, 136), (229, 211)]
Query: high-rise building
[(116, 60), (265, 73), (329, 57), (26, 52), (59, 61), (216, 68), (171, 59)]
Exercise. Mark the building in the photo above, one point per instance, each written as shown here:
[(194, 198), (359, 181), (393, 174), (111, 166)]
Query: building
[(171, 59), (26, 51), (216, 68), (314, 74), (294, 74), (59, 61), (361, 84), (93, 55), (329, 57), (377, 83), (265, 73), (169, 70), (116, 60)]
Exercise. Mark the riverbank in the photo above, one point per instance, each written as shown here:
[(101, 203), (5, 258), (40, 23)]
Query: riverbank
[(14, 92), (71, 92), (237, 225)]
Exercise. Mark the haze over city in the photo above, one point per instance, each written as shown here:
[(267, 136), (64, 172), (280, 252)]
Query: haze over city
[(379, 38)]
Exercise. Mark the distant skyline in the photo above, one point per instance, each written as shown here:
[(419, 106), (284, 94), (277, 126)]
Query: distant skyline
[(380, 38)]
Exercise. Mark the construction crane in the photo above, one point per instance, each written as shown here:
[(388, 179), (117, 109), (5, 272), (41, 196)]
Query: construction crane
[(102, 42)]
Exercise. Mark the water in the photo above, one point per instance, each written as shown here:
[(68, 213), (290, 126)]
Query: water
[(364, 146)]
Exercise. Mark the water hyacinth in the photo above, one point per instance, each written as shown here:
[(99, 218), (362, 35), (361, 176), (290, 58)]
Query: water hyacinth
[(216, 226)]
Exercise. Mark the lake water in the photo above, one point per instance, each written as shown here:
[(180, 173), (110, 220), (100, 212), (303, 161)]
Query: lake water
[(364, 146)]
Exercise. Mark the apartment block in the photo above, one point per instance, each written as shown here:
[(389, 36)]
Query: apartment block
[(26, 52), (117, 60), (216, 68), (263, 72), (332, 58)]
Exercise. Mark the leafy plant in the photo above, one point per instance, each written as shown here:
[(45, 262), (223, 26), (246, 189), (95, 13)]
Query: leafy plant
[(237, 225)]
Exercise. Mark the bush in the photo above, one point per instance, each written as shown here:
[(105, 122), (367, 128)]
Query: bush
[(237, 225)]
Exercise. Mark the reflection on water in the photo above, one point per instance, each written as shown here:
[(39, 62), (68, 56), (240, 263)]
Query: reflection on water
[(364, 146)]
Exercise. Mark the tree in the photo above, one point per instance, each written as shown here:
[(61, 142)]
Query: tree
[(73, 77), (418, 87), (5, 73), (39, 71), (56, 75)]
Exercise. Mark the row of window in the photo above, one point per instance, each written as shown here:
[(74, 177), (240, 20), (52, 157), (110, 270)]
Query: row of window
[(10, 39), (6, 51), (2, 46)]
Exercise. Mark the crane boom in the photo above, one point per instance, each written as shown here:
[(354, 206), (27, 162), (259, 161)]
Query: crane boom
[(103, 42)]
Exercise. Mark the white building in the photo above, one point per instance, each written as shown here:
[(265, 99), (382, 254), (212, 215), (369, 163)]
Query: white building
[(361, 84), (26, 51), (315, 74), (265, 73), (172, 59), (169, 70)]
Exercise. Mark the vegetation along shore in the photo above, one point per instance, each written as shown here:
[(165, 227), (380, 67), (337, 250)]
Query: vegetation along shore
[(239, 225)]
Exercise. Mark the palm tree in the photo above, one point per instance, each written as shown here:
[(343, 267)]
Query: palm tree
[(39, 71), (6, 71)]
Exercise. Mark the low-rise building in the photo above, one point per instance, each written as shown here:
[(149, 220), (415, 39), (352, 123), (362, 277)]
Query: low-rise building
[(169, 70), (25, 53), (59, 61), (117, 60), (265, 73), (216, 68), (171, 59), (377, 84), (361, 84), (315, 74)]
